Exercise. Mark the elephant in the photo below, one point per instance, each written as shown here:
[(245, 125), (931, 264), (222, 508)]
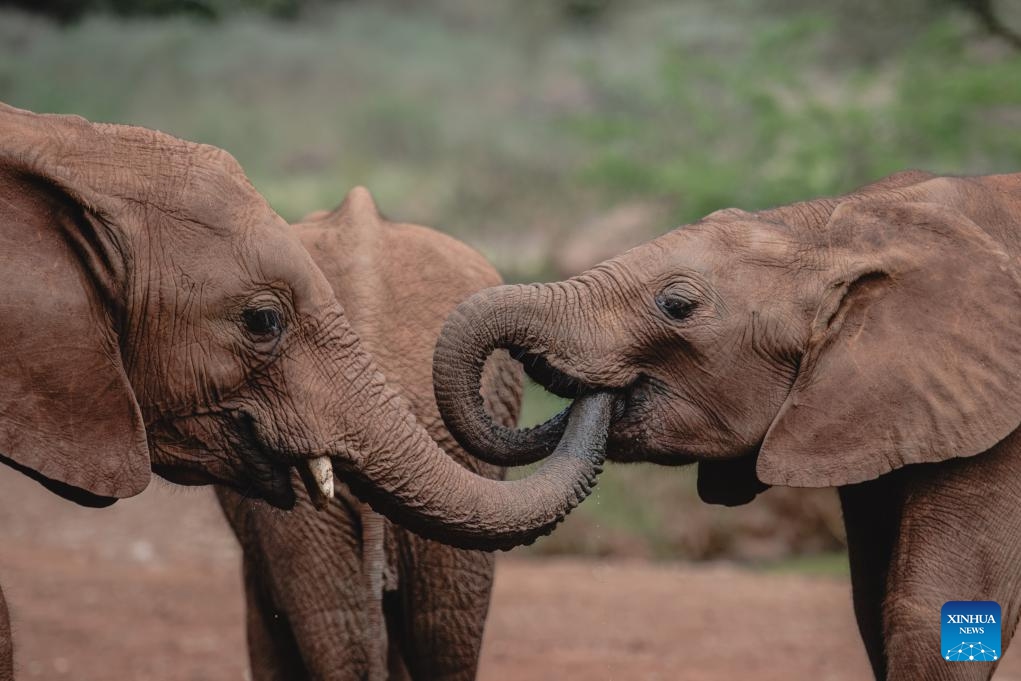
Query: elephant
[(869, 342), (397, 283), (160, 317)]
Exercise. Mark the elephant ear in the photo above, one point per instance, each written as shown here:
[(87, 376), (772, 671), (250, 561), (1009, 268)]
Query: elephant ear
[(914, 354), (68, 416)]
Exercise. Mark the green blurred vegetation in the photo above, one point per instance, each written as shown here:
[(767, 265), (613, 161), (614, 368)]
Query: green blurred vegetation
[(776, 117), (547, 144), (552, 135)]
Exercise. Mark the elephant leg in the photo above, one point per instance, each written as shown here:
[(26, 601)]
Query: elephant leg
[(958, 542), (323, 591), (872, 520), (272, 651), (307, 597), (6, 643), (445, 596)]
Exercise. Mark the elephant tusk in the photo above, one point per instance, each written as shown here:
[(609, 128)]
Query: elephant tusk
[(317, 474)]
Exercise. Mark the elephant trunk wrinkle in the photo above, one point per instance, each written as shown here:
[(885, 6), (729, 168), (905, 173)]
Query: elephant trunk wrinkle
[(501, 317), (441, 499)]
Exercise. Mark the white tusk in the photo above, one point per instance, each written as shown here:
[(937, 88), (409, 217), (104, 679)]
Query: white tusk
[(320, 481)]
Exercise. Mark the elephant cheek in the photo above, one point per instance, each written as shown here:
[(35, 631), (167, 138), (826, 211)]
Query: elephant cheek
[(193, 451), (296, 407), (183, 465)]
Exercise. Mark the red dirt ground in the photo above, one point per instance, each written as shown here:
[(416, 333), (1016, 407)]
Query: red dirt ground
[(149, 590)]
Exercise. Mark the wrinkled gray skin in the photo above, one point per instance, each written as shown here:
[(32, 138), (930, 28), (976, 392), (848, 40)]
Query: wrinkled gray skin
[(397, 283), (870, 342)]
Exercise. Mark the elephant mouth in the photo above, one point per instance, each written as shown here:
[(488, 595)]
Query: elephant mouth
[(224, 447), (629, 438), (270, 473), (559, 381), (268, 477), (554, 380), (204, 448)]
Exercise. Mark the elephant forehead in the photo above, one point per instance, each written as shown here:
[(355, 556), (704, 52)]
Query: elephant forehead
[(280, 257), (717, 248), (730, 233)]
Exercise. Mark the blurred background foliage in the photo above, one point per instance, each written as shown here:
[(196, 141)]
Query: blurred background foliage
[(551, 135)]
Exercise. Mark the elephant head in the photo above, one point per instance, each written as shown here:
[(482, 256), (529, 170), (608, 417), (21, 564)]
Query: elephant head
[(158, 315), (817, 344)]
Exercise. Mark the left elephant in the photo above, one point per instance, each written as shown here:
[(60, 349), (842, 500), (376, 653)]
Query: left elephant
[(158, 314)]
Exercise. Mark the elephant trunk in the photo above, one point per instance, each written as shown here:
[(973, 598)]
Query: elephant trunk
[(519, 318), (389, 460), (543, 326)]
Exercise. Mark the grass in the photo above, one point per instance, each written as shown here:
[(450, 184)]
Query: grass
[(550, 145), (832, 564)]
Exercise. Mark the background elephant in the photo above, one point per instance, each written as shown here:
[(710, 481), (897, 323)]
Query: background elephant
[(397, 283), (158, 315), (869, 342)]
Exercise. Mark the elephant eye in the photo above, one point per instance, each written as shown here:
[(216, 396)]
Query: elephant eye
[(263, 321), (674, 305)]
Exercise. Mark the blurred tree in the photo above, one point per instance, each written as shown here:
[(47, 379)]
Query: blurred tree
[(987, 15), (72, 10), (62, 10), (584, 11)]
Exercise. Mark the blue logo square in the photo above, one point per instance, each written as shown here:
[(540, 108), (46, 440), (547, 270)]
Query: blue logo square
[(970, 631)]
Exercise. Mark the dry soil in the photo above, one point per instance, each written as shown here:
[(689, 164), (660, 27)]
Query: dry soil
[(149, 589)]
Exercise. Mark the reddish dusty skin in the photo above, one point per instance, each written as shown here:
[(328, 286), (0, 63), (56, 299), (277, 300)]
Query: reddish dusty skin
[(836, 342)]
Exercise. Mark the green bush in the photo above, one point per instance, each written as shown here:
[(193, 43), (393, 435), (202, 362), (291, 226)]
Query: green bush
[(747, 128)]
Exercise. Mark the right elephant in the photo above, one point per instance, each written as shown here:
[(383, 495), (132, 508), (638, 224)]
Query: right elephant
[(372, 600), (870, 342)]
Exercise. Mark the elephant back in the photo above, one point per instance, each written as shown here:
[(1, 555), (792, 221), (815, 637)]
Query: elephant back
[(398, 282)]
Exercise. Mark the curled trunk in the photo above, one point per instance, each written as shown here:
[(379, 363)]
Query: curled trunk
[(511, 317), (389, 460)]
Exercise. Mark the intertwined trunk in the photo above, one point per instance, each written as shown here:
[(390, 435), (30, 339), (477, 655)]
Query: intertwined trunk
[(389, 460), (522, 319), (570, 337)]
